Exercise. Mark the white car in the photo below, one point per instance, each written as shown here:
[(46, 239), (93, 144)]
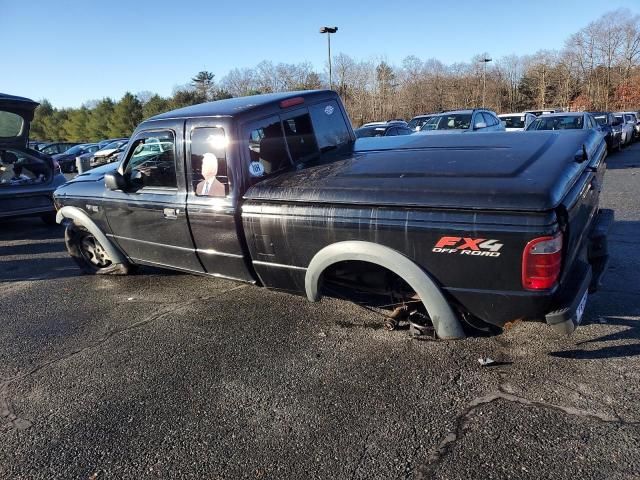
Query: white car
[(110, 148), (630, 117), (516, 122), (628, 127)]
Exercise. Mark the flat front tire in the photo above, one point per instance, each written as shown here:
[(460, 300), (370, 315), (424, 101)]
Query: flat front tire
[(89, 254)]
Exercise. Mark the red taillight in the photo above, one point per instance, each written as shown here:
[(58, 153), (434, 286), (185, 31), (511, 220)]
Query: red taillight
[(541, 262), (290, 102)]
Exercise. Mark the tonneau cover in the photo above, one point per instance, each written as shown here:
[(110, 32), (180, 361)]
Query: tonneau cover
[(520, 171)]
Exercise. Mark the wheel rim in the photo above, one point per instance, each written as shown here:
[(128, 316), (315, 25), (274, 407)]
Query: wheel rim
[(94, 252)]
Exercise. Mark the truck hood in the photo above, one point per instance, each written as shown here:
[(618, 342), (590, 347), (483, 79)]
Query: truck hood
[(521, 171), (16, 114), (93, 175)]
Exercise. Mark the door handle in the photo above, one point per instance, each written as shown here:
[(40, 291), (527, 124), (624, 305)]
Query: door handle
[(171, 213)]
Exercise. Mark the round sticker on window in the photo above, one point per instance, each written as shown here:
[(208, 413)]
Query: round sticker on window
[(329, 109), (256, 169)]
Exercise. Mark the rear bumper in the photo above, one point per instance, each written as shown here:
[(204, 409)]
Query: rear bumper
[(571, 301), (584, 278)]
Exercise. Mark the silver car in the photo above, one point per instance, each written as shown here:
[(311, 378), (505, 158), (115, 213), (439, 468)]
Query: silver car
[(628, 126), (462, 121), (27, 177)]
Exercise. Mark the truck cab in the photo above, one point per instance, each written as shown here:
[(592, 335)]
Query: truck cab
[(175, 199)]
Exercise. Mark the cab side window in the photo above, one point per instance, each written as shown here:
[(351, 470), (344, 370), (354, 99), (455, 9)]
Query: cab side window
[(209, 176), (152, 160), (267, 149)]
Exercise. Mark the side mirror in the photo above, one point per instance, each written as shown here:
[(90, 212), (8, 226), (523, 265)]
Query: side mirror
[(503, 123), (480, 125), (581, 155), (136, 180), (114, 181)]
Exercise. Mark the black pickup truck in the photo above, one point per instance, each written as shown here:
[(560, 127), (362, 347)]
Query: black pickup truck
[(274, 190)]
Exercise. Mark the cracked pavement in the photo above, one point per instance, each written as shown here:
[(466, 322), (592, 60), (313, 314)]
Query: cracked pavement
[(166, 375)]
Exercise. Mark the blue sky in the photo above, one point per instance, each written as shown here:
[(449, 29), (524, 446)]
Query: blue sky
[(71, 51)]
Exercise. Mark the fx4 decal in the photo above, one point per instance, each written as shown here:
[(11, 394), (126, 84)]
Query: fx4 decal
[(478, 247)]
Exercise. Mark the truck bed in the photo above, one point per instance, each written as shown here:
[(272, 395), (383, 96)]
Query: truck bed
[(530, 171)]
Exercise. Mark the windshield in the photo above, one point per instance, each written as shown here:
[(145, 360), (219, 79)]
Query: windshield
[(365, 132), (513, 121), (416, 123), (10, 124), (601, 119), (557, 123), (453, 121)]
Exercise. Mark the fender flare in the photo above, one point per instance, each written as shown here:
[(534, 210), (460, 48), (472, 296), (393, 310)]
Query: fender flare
[(444, 320), (80, 218)]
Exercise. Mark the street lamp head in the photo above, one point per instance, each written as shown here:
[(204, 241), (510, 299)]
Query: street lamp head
[(328, 29), (486, 60)]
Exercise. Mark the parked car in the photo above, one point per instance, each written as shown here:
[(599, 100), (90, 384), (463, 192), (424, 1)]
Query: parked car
[(462, 121), (268, 190), (103, 143), (108, 154), (57, 147), (37, 144), (416, 123), (634, 119), (628, 129), (514, 122), (564, 121), (27, 177), (611, 127), (67, 160), (387, 129)]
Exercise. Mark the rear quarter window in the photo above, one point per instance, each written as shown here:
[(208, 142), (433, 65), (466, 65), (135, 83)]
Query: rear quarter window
[(329, 125)]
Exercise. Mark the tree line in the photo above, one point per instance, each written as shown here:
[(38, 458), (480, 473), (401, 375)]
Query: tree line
[(598, 68)]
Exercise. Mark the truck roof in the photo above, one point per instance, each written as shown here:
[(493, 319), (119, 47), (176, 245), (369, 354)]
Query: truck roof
[(269, 102), (528, 171)]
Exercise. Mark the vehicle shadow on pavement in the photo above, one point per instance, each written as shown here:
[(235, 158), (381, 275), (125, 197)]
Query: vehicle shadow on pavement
[(32, 248), (29, 229), (40, 269), (632, 332)]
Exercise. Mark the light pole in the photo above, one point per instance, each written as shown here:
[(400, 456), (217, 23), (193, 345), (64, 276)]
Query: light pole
[(329, 31), (484, 61)]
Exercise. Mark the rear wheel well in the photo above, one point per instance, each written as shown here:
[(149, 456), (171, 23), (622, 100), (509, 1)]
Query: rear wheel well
[(372, 285), (364, 282)]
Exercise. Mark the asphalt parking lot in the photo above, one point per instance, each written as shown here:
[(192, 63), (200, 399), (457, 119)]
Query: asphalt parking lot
[(166, 375)]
